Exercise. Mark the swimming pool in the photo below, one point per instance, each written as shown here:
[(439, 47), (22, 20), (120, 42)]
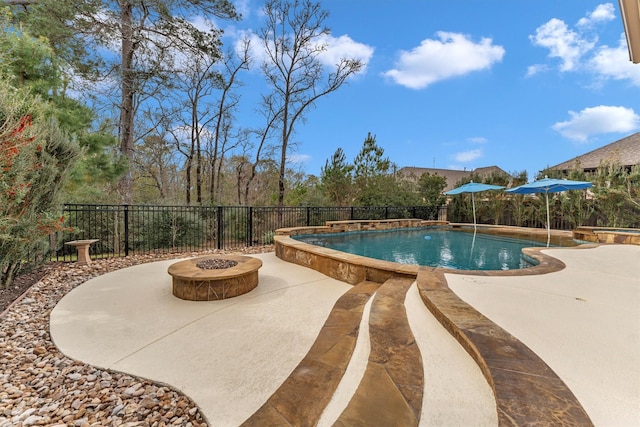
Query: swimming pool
[(434, 247)]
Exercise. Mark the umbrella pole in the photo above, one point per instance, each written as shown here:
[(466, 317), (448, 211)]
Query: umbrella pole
[(548, 221), (473, 203)]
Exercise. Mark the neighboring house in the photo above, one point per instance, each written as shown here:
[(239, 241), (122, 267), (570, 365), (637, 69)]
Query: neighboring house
[(452, 176), (625, 152)]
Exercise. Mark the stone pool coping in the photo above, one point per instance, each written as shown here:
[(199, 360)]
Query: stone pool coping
[(526, 389), (628, 236), (355, 268)]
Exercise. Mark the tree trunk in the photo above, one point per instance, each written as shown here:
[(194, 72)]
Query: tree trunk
[(248, 184), (198, 166), (6, 277), (198, 174), (126, 109), (188, 177), (283, 155), (212, 178)]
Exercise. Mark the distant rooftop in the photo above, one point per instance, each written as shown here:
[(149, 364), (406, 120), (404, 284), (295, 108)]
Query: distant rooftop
[(625, 151), (452, 176)]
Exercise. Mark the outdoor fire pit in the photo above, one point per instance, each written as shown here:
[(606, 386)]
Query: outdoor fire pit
[(214, 277)]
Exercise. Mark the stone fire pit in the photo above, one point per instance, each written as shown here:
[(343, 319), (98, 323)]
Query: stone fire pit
[(214, 277)]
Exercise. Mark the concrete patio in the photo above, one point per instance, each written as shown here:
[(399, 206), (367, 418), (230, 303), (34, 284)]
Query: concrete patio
[(305, 347)]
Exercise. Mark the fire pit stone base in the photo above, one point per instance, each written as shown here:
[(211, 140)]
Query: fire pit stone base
[(223, 276)]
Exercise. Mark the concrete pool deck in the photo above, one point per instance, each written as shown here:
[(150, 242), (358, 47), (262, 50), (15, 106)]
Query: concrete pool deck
[(247, 358)]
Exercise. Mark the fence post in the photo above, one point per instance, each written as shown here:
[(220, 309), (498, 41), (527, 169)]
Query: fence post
[(250, 226), (308, 215), (351, 214), (126, 230), (220, 227), (386, 212)]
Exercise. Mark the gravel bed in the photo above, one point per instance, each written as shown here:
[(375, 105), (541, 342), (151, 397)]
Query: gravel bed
[(39, 386)]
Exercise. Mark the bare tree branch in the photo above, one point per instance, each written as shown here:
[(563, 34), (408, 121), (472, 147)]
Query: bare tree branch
[(292, 38)]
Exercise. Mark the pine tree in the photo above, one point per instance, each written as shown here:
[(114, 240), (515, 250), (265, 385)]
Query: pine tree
[(35, 160)]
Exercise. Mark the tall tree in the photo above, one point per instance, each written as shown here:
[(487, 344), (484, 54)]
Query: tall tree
[(262, 149), (496, 201), (431, 187), (152, 36), (27, 60), (156, 171), (33, 64), (55, 20), (336, 179), (196, 82), (519, 210), (145, 29), (234, 63), (35, 159), (293, 36), (373, 174)]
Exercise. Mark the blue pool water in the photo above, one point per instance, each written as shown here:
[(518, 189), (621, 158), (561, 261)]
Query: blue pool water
[(444, 248)]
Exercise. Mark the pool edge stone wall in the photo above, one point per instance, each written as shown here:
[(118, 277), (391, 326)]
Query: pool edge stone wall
[(607, 235), (353, 269), (348, 268)]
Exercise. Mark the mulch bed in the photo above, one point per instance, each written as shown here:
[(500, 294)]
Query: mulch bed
[(22, 283)]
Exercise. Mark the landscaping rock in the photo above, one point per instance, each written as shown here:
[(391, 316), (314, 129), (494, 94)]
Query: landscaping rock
[(41, 386)]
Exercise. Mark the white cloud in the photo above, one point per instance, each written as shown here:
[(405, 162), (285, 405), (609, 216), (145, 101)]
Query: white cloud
[(602, 13), (201, 23), (299, 158), (614, 63), (183, 133), (452, 55), (256, 50), (562, 43), (336, 49), (597, 120), (477, 140), (344, 47), (243, 7), (578, 48), (468, 156), (532, 70)]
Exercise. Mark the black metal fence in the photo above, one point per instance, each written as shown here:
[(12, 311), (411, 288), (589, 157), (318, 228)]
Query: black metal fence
[(123, 230)]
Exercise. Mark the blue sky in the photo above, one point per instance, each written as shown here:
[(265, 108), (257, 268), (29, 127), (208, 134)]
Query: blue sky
[(455, 84)]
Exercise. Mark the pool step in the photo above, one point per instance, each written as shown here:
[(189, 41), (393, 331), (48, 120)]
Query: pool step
[(300, 400), (392, 387), (526, 389)]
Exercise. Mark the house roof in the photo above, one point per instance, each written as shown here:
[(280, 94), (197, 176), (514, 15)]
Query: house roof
[(625, 151), (452, 176)]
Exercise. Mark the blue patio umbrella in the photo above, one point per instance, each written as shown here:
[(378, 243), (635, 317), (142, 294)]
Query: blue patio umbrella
[(473, 187), (546, 186)]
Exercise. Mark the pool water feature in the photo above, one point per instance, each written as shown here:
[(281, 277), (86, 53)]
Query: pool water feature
[(435, 247)]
